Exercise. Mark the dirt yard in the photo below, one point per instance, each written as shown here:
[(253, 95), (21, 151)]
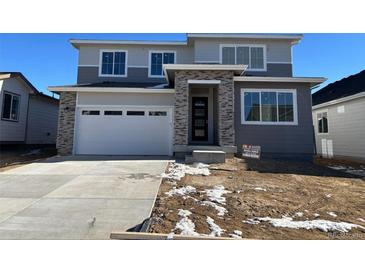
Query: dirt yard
[(264, 199), (15, 156)]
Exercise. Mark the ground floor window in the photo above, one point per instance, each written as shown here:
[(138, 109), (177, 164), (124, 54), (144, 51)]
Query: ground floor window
[(322, 122), (10, 108), (263, 106)]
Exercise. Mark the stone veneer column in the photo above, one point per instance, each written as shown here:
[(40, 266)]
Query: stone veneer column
[(66, 122), (225, 104)]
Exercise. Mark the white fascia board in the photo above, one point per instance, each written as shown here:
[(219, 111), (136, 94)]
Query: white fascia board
[(311, 80), (294, 37), (109, 89), (341, 100), (77, 42)]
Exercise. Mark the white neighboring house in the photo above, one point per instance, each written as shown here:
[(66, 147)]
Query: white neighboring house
[(339, 118), (27, 116)]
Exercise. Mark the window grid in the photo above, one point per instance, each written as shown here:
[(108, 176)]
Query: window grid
[(11, 112), (113, 63), (157, 60), (252, 62)]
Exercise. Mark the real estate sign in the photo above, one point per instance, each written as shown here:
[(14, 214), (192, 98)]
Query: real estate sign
[(251, 151)]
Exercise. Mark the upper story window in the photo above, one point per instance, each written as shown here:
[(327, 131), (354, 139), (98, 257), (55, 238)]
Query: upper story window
[(157, 59), (252, 55), (268, 107), (113, 63), (322, 122), (11, 104)]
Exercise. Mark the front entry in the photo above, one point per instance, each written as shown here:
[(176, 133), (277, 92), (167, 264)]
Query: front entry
[(200, 119)]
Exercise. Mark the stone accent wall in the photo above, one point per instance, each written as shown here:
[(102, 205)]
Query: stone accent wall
[(225, 104), (66, 122)]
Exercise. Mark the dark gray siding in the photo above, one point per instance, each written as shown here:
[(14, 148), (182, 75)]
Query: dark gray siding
[(273, 70), (91, 75), (278, 140)]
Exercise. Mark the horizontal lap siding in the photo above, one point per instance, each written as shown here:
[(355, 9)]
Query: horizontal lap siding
[(278, 139)]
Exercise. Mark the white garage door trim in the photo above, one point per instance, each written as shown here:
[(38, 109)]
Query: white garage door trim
[(124, 108)]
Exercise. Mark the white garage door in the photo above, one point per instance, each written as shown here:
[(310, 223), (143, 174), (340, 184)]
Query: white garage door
[(124, 131)]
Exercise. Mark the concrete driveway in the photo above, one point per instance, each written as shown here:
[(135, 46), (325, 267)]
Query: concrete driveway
[(77, 197)]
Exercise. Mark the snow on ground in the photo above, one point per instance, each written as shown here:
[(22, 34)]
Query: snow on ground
[(316, 215), (259, 189), (299, 214), (216, 231), (221, 210), (351, 170), (182, 191), (328, 195), (237, 234), (32, 152), (334, 215), (323, 225), (177, 171), (216, 194), (361, 220), (185, 225), (251, 222)]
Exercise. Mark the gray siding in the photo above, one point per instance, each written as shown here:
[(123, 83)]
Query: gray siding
[(346, 130), (14, 131), (42, 121), (274, 70), (91, 75), (278, 140)]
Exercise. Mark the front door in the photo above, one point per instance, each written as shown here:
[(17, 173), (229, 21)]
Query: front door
[(200, 119)]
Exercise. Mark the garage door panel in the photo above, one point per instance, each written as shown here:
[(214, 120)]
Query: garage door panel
[(124, 135)]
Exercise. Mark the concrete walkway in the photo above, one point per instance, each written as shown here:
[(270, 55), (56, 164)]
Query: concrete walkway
[(77, 197)]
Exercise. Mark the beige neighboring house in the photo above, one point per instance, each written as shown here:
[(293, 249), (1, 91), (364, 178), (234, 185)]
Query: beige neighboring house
[(339, 118), (27, 115)]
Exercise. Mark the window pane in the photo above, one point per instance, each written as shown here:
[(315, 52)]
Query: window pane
[(325, 124), (228, 55), (243, 55), (157, 113), (119, 63), (107, 63), (252, 106), (90, 112), (15, 108), (135, 113), (268, 106), (285, 104), (169, 58), (257, 58), (6, 106), (113, 112), (156, 64)]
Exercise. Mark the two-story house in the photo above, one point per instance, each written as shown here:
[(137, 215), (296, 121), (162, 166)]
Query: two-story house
[(210, 92)]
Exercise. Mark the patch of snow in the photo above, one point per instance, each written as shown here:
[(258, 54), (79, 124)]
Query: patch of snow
[(332, 214), (260, 189), (177, 171), (361, 220), (185, 225), (251, 221), (170, 236), (216, 231), (328, 195), (216, 194), (32, 152), (299, 214), (182, 191), (350, 170), (323, 225), (221, 210), (316, 215)]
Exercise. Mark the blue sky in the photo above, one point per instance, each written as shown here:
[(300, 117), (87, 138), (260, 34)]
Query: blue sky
[(48, 59)]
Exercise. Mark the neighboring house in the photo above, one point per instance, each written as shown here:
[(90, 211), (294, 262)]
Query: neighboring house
[(339, 118), (27, 116), (210, 92)]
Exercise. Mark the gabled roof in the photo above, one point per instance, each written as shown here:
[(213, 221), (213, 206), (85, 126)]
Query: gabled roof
[(8, 75), (345, 87)]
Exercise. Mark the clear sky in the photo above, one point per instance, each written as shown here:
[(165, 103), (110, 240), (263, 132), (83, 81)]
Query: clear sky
[(49, 59)]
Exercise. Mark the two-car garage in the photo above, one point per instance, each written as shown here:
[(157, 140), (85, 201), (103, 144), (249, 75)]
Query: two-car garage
[(123, 124)]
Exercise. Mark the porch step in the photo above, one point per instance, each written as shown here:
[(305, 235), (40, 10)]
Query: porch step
[(206, 157)]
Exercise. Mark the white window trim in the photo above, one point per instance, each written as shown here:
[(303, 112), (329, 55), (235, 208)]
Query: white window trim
[(295, 107), (11, 106), (150, 63), (221, 46), (316, 127), (113, 75)]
